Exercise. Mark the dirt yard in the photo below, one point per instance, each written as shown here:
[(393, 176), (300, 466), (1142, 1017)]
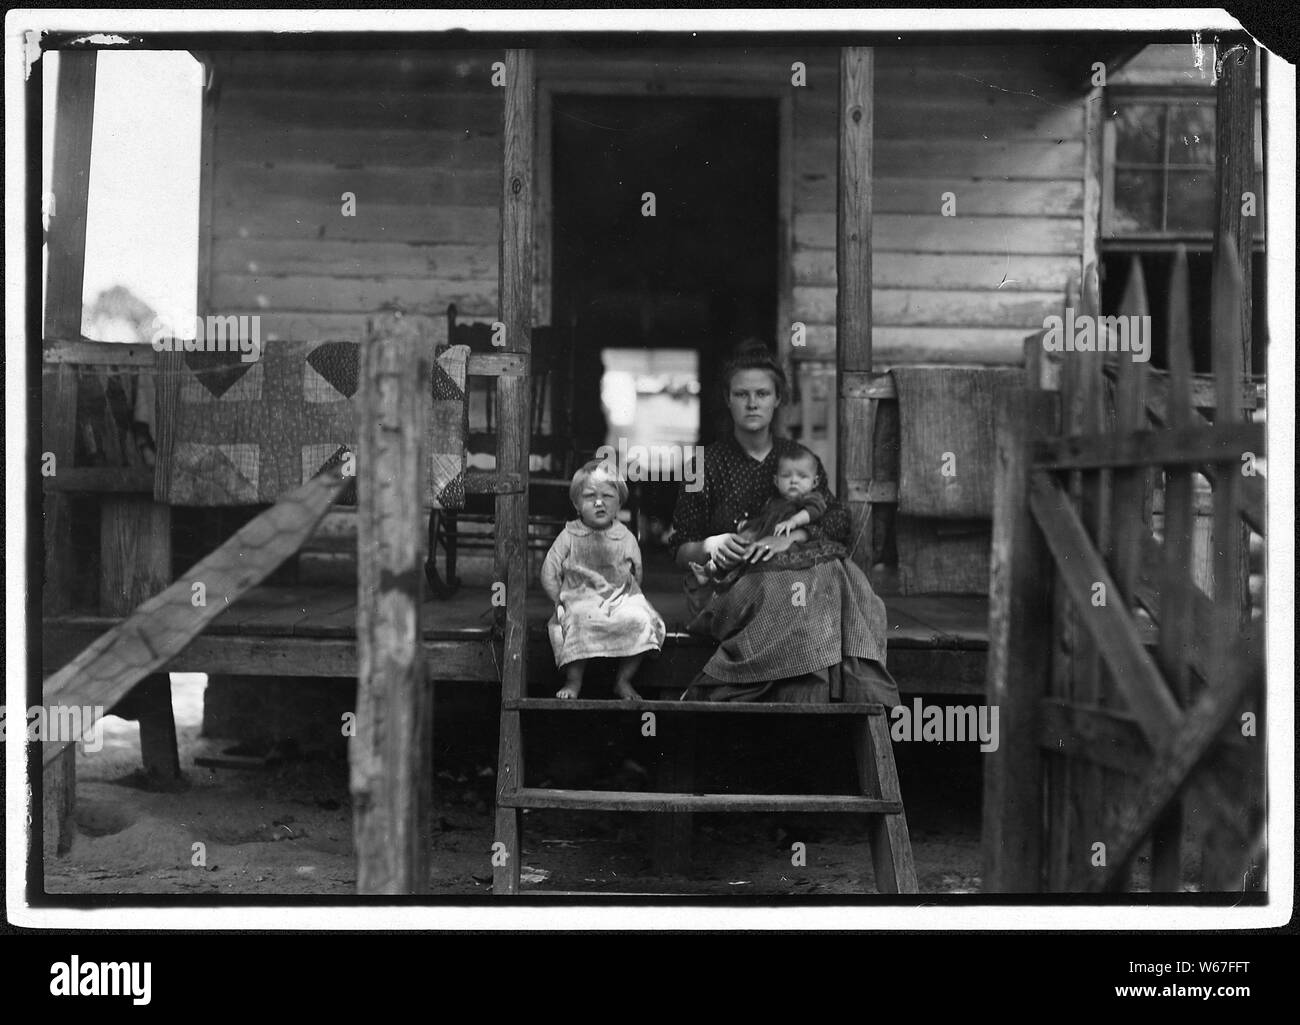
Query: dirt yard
[(287, 828)]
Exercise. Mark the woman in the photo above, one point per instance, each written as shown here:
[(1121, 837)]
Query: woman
[(801, 608)]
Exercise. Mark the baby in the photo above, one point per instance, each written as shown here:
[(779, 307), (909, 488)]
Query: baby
[(593, 575), (795, 503)]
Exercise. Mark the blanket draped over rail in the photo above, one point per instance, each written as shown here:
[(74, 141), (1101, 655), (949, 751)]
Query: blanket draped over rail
[(245, 433)]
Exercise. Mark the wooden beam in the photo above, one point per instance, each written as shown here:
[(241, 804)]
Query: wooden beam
[(1080, 567), (162, 627), (853, 283), (213, 79), (515, 290), (58, 439), (391, 755), (1019, 660), (1096, 734), (135, 547), (278, 655), (1234, 134), (85, 352), (116, 480), (1187, 446), (1196, 734), (70, 183)]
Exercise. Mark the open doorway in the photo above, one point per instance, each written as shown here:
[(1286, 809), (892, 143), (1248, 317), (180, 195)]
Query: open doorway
[(701, 273), (686, 272)]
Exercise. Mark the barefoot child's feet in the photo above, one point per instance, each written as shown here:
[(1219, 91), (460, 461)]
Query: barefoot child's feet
[(570, 690), (626, 691)]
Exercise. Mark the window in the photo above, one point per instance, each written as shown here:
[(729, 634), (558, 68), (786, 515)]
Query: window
[(142, 223), (1158, 193), (1161, 169)]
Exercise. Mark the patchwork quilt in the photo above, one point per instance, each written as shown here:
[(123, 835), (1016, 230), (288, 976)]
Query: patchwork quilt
[(244, 433)]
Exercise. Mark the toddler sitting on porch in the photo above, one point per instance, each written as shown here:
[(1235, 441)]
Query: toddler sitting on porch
[(593, 575)]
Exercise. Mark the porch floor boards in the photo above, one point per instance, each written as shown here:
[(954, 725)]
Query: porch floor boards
[(915, 621)]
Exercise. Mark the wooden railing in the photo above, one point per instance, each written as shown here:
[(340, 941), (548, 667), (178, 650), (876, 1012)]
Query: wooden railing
[(1128, 694)]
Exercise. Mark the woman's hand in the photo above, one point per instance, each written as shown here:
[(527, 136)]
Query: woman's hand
[(769, 546), (726, 549)]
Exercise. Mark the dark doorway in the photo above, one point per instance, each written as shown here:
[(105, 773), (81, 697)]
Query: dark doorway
[(701, 274)]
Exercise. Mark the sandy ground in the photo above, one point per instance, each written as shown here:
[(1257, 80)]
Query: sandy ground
[(287, 829)]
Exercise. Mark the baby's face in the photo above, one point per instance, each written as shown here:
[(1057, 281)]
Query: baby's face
[(598, 503), (795, 477)]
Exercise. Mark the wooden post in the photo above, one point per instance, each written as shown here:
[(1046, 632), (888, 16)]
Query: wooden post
[(58, 439), (1234, 131), (66, 239), (73, 127), (1232, 322), (515, 289), (1020, 657), (853, 288), (391, 754), (135, 547)]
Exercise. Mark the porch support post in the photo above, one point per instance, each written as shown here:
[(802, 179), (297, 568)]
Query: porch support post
[(1234, 128), (1020, 655), (515, 290), (853, 291), (391, 753), (66, 238)]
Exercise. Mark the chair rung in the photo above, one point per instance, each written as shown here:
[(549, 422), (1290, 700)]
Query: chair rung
[(716, 707), (643, 801)]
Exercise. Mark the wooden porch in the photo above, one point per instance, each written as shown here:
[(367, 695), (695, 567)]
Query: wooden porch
[(937, 643)]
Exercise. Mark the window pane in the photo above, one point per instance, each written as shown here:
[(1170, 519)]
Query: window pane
[(142, 223), (1137, 202), (1137, 134), (1191, 200), (1191, 134)]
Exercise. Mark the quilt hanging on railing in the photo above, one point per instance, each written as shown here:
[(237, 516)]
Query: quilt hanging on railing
[(236, 432)]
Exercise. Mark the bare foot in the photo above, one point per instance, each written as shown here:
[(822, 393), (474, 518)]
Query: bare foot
[(626, 691), (570, 690)]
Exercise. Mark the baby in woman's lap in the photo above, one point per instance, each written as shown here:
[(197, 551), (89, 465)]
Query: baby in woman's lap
[(795, 502)]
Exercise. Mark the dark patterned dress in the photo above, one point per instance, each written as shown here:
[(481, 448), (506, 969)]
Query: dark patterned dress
[(787, 623)]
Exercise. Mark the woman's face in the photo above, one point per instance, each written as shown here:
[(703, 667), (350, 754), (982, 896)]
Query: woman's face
[(752, 399)]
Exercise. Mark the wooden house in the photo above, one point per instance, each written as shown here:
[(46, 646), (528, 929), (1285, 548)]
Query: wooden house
[(865, 210)]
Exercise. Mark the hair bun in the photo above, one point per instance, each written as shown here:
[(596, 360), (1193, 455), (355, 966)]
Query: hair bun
[(752, 348)]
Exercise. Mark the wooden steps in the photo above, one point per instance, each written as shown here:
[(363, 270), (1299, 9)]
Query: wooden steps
[(878, 795), (653, 801)]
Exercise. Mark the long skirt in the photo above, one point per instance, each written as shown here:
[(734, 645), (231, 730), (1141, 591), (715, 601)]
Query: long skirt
[(781, 632)]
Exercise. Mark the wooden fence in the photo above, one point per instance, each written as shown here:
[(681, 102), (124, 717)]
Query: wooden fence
[(1130, 697)]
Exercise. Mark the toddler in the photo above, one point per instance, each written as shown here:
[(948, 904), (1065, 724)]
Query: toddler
[(795, 503), (593, 575)]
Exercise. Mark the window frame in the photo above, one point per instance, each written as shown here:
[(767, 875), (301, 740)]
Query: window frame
[(1165, 96)]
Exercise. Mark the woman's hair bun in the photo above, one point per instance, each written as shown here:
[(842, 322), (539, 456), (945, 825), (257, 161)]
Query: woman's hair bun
[(755, 354), (752, 348)]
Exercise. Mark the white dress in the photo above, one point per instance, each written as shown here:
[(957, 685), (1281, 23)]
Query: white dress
[(594, 578)]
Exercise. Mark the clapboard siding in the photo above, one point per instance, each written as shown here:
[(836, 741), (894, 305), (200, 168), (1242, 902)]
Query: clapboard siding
[(909, 307), (416, 138), (815, 193), (343, 259), (1002, 271), (305, 217), (347, 295)]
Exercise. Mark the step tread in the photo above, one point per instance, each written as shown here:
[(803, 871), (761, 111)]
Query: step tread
[(717, 707), (652, 801)]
